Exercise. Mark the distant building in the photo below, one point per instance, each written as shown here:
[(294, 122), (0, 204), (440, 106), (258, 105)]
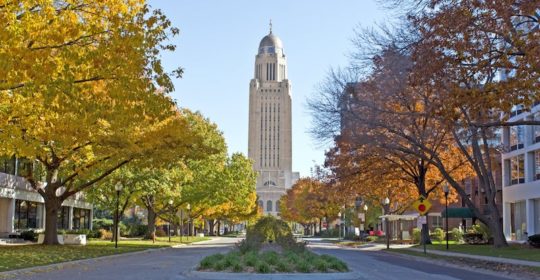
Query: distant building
[(270, 137), (521, 176), (22, 208)]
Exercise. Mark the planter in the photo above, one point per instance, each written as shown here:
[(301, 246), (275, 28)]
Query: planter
[(200, 234), (66, 239)]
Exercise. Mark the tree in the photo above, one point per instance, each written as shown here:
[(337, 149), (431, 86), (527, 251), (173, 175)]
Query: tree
[(484, 59), (222, 188), (93, 111)]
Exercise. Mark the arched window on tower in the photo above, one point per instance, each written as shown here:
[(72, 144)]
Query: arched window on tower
[(269, 206), (269, 183)]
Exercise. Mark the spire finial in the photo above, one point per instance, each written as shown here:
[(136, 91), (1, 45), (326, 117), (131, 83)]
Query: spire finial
[(270, 26)]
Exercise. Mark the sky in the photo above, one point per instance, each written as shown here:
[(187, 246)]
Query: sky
[(217, 45)]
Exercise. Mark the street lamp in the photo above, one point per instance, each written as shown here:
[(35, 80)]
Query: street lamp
[(339, 231), (387, 203), (189, 220), (118, 188), (446, 191), (169, 223)]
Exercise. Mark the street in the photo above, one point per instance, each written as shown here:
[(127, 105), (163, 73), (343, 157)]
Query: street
[(177, 263)]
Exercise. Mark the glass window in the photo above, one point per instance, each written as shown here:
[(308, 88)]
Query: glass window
[(518, 220), (516, 137), (277, 206), (536, 129), (7, 165), (517, 174), (537, 165), (28, 214), (269, 206), (63, 218), (81, 218)]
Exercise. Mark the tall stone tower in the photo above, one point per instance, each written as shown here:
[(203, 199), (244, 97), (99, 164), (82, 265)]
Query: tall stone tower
[(270, 139)]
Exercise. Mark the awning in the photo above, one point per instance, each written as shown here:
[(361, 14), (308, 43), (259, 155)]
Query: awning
[(458, 213), (399, 217)]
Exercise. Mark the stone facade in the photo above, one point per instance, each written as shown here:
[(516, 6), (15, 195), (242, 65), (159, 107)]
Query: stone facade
[(270, 137)]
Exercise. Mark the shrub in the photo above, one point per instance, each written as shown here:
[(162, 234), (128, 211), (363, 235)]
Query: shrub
[(288, 243), (105, 234), (438, 234), (248, 245), (338, 265), (321, 265), (270, 257), (534, 240), (457, 235), (220, 265), (269, 229), (283, 267), (237, 267), (103, 224), (251, 259), (417, 235), (29, 235), (231, 259), (209, 261), (134, 230), (263, 267), (474, 238), (160, 232), (482, 229), (372, 238), (303, 266)]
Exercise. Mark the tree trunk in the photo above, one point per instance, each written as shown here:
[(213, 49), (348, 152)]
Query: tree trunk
[(51, 226), (151, 224), (218, 228), (424, 236), (211, 224)]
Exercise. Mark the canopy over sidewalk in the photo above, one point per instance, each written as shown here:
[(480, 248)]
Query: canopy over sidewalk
[(463, 212)]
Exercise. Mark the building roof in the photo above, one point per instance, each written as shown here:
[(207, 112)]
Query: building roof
[(270, 44)]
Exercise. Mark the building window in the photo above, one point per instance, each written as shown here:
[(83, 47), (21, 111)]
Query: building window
[(516, 137), (81, 218), (277, 206), (63, 218), (28, 214), (517, 174), (7, 165), (536, 129), (518, 220), (269, 206), (261, 204)]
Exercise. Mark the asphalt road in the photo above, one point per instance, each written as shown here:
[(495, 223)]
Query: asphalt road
[(175, 263), (380, 265)]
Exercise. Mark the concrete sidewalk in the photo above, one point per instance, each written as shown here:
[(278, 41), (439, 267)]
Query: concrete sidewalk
[(478, 257)]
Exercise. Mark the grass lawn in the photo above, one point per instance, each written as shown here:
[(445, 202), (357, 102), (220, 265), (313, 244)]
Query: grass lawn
[(23, 256), (520, 252)]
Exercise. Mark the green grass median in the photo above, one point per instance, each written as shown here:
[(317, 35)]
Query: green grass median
[(23, 256)]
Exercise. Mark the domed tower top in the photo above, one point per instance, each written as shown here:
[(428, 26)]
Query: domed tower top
[(271, 43)]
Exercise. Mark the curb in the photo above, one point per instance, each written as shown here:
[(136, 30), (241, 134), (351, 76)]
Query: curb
[(60, 265), (274, 276), (479, 257), (427, 259)]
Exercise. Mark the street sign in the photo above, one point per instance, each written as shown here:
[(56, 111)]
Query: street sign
[(362, 216), (422, 220), (422, 205)]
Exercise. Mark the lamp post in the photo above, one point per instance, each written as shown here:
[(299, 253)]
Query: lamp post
[(339, 232), (189, 220), (446, 192), (118, 188), (181, 224), (169, 223), (387, 203)]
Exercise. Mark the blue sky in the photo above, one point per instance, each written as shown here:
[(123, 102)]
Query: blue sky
[(217, 46)]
